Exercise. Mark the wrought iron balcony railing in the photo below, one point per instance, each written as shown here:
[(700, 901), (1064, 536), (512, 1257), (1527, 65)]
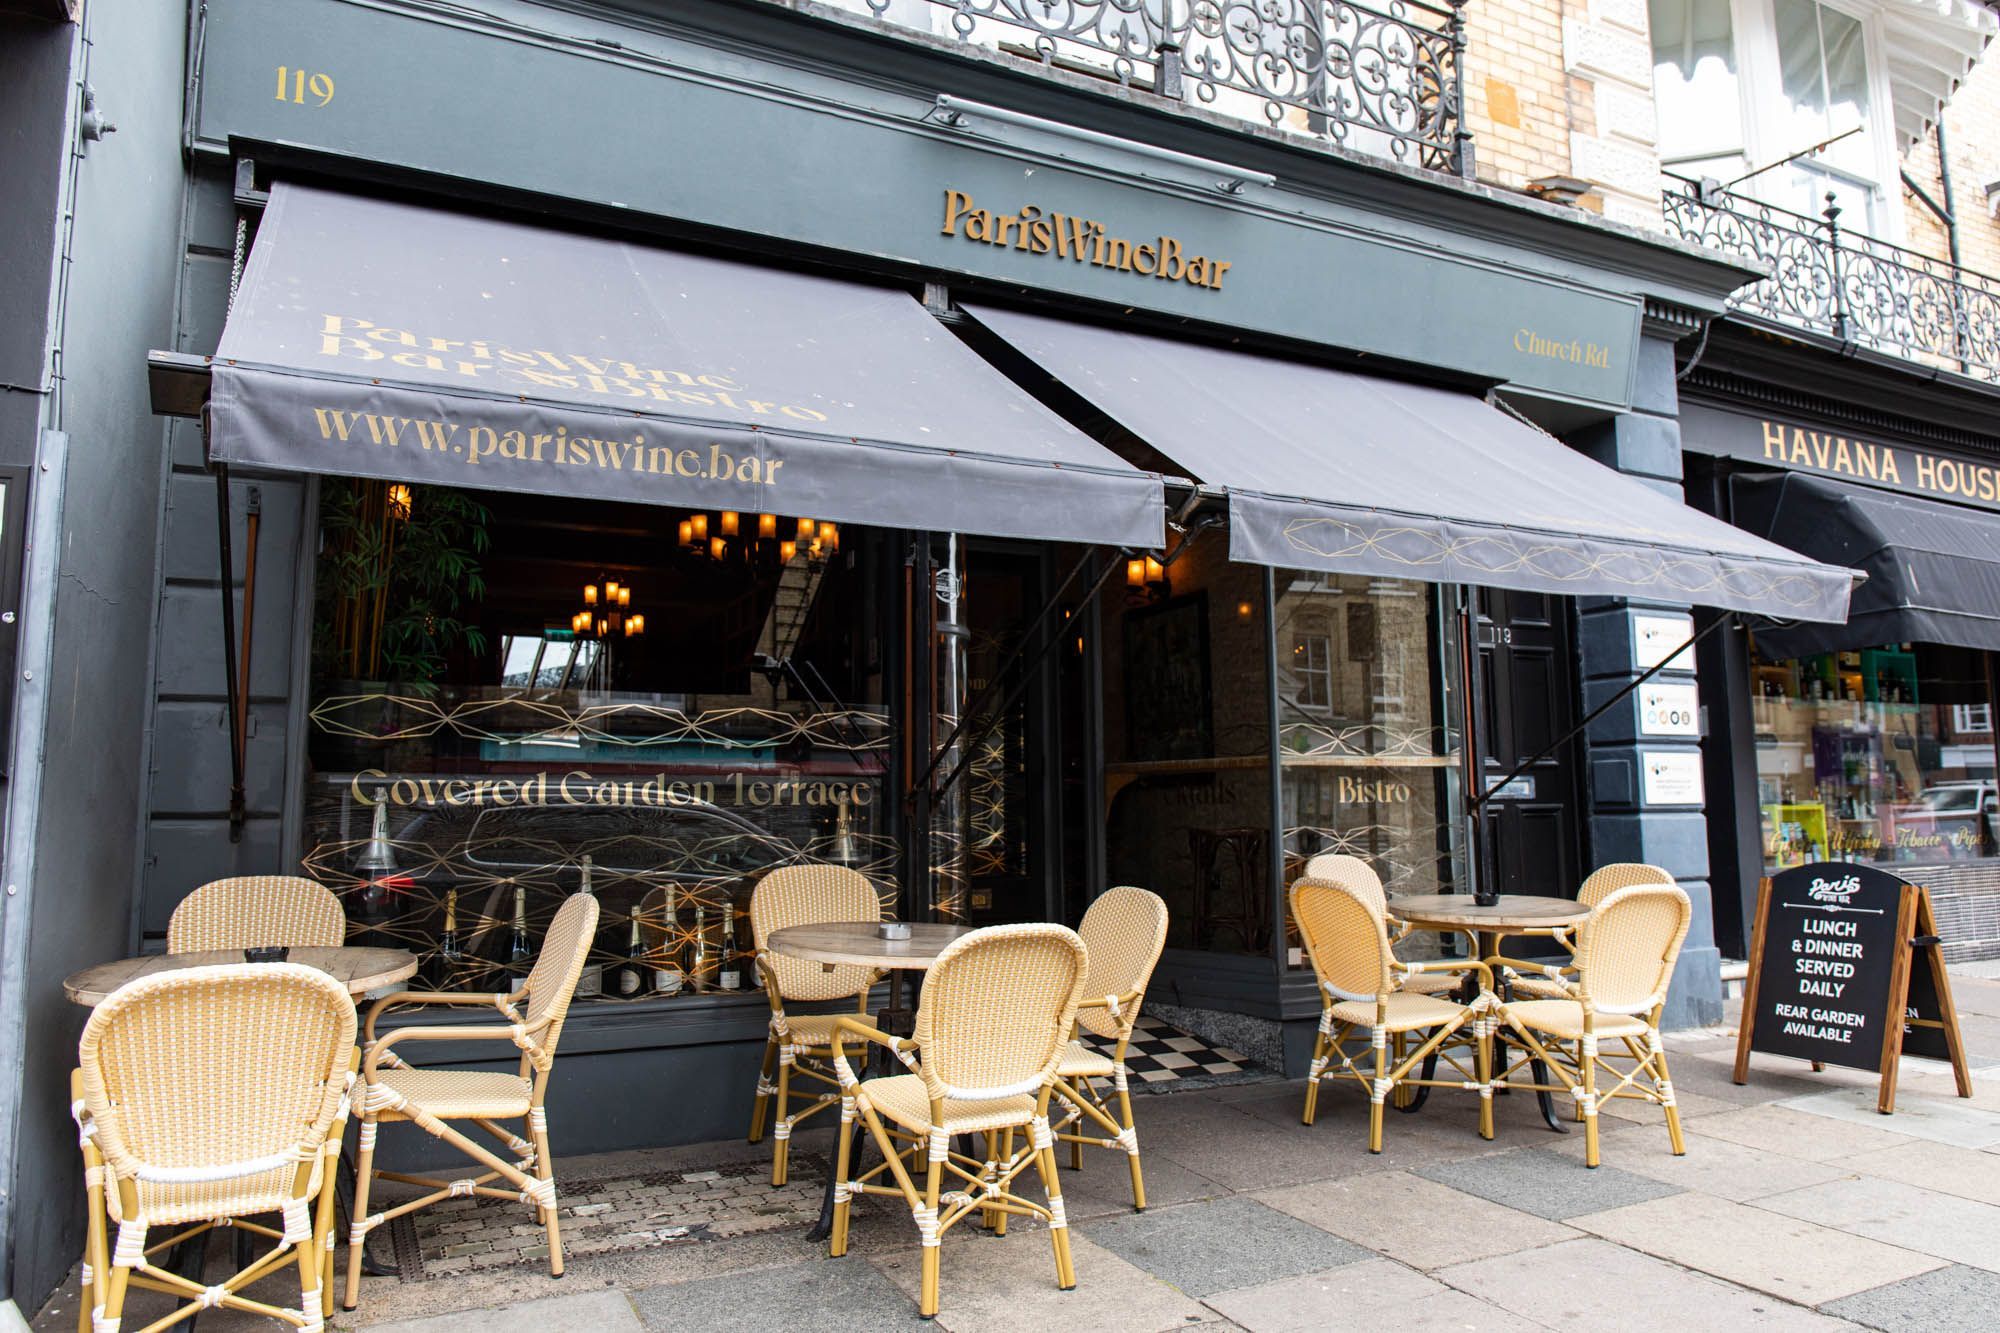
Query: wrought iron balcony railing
[(1840, 282), (1386, 80)]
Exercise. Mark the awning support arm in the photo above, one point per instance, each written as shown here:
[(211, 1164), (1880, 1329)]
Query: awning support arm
[(1480, 798), (234, 687)]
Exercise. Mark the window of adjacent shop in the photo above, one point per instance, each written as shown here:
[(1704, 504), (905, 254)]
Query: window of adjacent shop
[(1365, 763), (516, 697), (1743, 84), (1884, 755)]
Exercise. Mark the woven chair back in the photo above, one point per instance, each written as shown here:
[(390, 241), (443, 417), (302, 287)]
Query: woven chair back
[(565, 946), (251, 911), (1353, 874), (997, 1010), (1124, 931), (1626, 950), (211, 1066), (1344, 936), (812, 895), (1606, 880)]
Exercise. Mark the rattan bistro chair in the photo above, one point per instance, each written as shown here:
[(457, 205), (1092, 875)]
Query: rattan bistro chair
[(431, 1099), (801, 1045), (1358, 977), (1360, 879), (208, 1097), (994, 1021), (1124, 931), (1625, 953), (252, 911), (1548, 981)]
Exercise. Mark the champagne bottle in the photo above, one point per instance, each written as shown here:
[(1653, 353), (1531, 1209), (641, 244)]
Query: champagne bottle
[(698, 967), (668, 978), (450, 950), (632, 972), (590, 981), (373, 869), (520, 958), (731, 974)]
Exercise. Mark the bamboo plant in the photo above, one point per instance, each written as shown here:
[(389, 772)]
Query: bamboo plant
[(399, 568)]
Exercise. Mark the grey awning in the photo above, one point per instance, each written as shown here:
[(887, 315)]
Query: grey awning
[(386, 340), (1933, 568), (1352, 474)]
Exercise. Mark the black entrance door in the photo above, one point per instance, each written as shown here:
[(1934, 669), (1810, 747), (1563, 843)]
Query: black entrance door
[(1530, 830)]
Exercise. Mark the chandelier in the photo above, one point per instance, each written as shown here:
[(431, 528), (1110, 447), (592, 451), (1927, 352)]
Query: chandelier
[(608, 615), (730, 534)]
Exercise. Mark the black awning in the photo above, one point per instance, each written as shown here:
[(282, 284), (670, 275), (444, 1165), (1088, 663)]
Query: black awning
[(381, 339), (1354, 474), (1933, 568)]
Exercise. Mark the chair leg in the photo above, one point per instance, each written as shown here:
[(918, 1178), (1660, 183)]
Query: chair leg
[(1318, 1067), (1483, 1040), (999, 1223), (1083, 1086), (927, 1233), (545, 1170), (1377, 1093), (781, 1129), (1132, 1152), (312, 1298), (357, 1217), (1664, 1082), (763, 1101), (1058, 1220), (114, 1295), (836, 1244), (1588, 1051)]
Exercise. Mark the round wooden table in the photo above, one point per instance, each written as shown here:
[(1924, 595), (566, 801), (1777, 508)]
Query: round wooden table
[(359, 969), (857, 943), (1511, 914)]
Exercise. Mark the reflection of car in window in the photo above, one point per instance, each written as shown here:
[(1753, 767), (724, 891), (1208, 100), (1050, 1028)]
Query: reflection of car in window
[(1962, 818)]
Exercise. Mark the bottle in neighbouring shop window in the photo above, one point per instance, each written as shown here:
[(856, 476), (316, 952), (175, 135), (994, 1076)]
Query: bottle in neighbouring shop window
[(668, 978), (520, 957), (590, 981), (628, 979), (698, 964), (730, 974)]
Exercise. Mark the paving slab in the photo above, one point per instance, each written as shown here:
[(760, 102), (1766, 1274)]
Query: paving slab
[(1003, 1284), (795, 1296), (1947, 1300), (1939, 1119), (1795, 1133), (1713, 1166), (1917, 1219), (1800, 1261), (1416, 1221), (1934, 1166), (1592, 1287), (1364, 1297), (1690, 1104), (1549, 1184), (1208, 1247), (590, 1312), (1103, 1188)]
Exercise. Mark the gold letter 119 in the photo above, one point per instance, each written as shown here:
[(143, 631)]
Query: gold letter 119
[(295, 85)]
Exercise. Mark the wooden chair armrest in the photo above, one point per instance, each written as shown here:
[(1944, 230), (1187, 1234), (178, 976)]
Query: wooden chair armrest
[(847, 1026), (494, 1000), (1115, 1003), (1527, 967), (1452, 965), (517, 1034)]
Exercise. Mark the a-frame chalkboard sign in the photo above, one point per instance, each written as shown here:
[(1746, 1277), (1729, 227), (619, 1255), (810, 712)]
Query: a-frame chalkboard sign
[(1846, 969)]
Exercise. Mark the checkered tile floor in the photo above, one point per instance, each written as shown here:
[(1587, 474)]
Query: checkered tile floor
[(1161, 1053)]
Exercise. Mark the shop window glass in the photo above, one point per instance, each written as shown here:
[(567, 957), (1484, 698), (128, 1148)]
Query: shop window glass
[(1375, 775), (1823, 70), (1882, 755), (511, 692)]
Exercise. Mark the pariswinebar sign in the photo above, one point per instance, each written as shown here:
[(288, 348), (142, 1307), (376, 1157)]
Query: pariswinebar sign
[(578, 787)]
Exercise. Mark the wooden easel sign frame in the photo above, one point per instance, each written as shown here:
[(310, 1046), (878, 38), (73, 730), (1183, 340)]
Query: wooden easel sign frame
[(1846, 968)]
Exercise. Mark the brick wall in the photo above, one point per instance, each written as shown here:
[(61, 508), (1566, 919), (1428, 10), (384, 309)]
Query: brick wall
[(1564, 87), (1969, 125)]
